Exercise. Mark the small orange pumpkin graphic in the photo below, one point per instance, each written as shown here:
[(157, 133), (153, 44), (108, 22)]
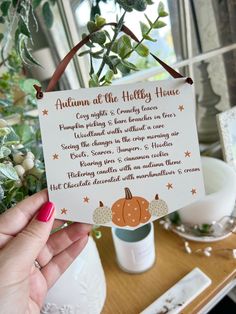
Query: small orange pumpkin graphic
[(130, 211)]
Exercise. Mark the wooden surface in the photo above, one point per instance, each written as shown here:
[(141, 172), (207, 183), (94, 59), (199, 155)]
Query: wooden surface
[(131, 293)]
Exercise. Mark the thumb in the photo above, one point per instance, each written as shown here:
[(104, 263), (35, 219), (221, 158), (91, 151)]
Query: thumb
[(29, 242)]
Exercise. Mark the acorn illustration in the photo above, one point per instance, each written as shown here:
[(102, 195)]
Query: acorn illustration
[(158, 207), (130, 210), (102, 214)]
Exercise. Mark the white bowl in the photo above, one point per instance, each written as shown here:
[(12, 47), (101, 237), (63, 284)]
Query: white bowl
[(220, 186)]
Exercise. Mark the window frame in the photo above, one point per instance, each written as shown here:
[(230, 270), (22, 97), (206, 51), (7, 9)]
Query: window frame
[(66, 11)]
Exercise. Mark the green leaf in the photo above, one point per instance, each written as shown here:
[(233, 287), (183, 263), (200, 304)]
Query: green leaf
[(5, 5), (4, 131), (53, 2), (99, 20), (140, 5), (127, 7), (114, 46), (149, 2), (47, 14), (159, 24), (147, 37), (2, 20), (163, 14), (144, 28), (149, 21), (4, 151), (161, 7), (27, 86), (28, 55), (34, 22), (123, 69), (129, 65), (36, 3), (161, 10), (109, 61), (98, 37), (21, 7), (175, 218), (109, 75), (93, 82), (25, 132), (124, 46), (92, 27), (19, 196), (14, 3), (23, 27), (107, 34), (142, 50), (11, 138), (114, 61), (1, 37), (97, 54), (8, 171), (17, 41), (83, 53), (205, 228)]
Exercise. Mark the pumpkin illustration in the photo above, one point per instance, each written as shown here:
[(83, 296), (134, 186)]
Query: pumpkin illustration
[(158, 207), (130, 211), (102, 214)]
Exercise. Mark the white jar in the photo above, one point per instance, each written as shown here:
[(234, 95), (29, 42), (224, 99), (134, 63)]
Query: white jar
[(135, 249), (82, 288)]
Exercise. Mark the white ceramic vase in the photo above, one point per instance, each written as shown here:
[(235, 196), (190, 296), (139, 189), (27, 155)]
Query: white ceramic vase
[(220, 186), (82, 288)]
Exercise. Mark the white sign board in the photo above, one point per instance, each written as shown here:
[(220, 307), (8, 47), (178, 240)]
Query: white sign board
[(121, 155)]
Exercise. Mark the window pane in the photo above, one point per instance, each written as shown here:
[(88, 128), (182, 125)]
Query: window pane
[(60, 40), (213, 24), (163, 48), (164, 75)]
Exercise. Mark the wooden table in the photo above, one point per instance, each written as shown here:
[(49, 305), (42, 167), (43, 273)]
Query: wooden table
[(131, 293)]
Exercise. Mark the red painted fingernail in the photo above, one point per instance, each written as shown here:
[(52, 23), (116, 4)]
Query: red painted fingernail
[(45, 212)]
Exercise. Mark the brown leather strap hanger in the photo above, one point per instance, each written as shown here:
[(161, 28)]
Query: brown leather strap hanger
[(65, 61)]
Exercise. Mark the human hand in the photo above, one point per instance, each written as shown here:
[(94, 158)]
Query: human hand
[(24, 238)]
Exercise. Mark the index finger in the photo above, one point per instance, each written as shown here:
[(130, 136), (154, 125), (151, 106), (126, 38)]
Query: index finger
[(16, 218)]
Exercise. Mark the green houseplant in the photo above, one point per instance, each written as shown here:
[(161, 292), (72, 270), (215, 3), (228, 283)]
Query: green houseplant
[(22, 170)]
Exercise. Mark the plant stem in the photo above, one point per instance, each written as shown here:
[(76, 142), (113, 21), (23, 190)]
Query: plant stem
[(141, 41), (91, 64), (116, 32)]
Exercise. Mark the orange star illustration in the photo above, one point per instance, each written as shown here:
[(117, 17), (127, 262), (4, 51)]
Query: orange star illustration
[(55, 156), (169, 186), (63, 211), (86, 199), (45, 112), (187, 154), (181, 108), (194, 191)]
